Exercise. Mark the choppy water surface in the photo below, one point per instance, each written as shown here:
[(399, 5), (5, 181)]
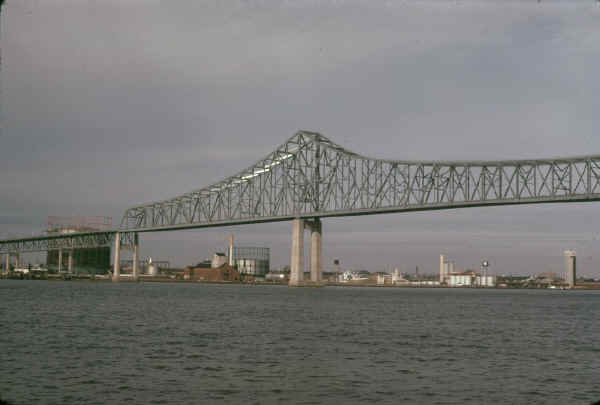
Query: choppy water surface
[(150, 343)]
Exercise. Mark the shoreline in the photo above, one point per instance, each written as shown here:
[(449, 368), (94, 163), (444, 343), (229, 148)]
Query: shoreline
[(144, 279)]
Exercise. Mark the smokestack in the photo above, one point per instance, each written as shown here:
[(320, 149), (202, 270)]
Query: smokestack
[(231, 261), (442, 268)]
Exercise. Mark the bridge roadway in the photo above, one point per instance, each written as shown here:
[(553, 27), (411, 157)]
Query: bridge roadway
[(309, 177)]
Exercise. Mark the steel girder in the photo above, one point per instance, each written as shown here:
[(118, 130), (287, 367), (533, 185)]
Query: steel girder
[(64, 241), (310, 176)]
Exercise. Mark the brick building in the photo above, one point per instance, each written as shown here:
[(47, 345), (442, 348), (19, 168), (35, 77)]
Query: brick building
[(222, 273)]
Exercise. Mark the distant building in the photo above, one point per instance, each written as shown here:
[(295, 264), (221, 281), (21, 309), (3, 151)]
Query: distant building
[(384, 279), (571, 265), (218, 260), (446, 268), (252, 260), (222, 273), (470, 279), (485, 281), (90, 260), (398, 278), (355, 276), (443, 268), (465, 279)]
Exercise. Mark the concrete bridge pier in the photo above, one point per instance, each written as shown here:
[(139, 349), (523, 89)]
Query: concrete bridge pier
[(70, 262), (136, 256), (17, 260), (7, 263), (297, 264), (117, 258), (59, 260), (316, 250), (316, 254)]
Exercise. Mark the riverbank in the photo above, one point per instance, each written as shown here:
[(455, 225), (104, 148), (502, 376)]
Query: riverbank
[(159, 279)]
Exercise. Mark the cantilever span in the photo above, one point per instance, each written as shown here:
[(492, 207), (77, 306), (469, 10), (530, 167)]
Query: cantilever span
[(310, 176)]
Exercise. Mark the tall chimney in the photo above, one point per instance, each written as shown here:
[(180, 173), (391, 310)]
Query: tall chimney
[(231, 261)]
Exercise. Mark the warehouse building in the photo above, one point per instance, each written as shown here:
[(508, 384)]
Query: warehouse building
[(83, 260), (223, 273)]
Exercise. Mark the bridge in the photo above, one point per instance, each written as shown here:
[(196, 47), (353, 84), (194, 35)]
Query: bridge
[(310, 177)]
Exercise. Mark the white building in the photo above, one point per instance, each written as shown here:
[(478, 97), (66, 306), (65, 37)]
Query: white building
[(398, 278), (383, 279), (470, 279), (218, 260), (485, 281), (460, 279), (353, 276)]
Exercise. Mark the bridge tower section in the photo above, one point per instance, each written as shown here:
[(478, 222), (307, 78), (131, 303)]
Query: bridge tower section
[(316, 254)]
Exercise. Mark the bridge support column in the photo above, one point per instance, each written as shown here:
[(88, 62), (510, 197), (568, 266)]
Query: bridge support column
[(7, 263), (316, 251), (117, 258), (297, 263), (70, 262), (59, 260), (17, 260), (136, 256)]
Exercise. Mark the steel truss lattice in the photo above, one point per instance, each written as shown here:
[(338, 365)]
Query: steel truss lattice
[(310, 176), (65, 242)]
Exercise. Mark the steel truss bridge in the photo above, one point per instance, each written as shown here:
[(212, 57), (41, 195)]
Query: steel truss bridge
[(310, 177), (67, 241)]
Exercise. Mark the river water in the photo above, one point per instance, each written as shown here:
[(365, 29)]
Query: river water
[(176, 343)]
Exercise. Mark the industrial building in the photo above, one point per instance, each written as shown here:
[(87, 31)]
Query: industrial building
[(147, 266), (470, 279), (253, 261), (398, 277), (446, 268), (85, 260), (218, 260), (222, 273)]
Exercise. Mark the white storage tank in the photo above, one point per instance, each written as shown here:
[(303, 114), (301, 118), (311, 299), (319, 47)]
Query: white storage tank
[(152, 268)]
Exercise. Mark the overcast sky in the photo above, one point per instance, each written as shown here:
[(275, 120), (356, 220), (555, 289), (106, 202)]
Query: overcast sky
[(108, 104)]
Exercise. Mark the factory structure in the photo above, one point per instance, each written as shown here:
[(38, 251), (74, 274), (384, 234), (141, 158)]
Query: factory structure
[(255, 261), (468, 278), (87, 260), (240, 263)]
